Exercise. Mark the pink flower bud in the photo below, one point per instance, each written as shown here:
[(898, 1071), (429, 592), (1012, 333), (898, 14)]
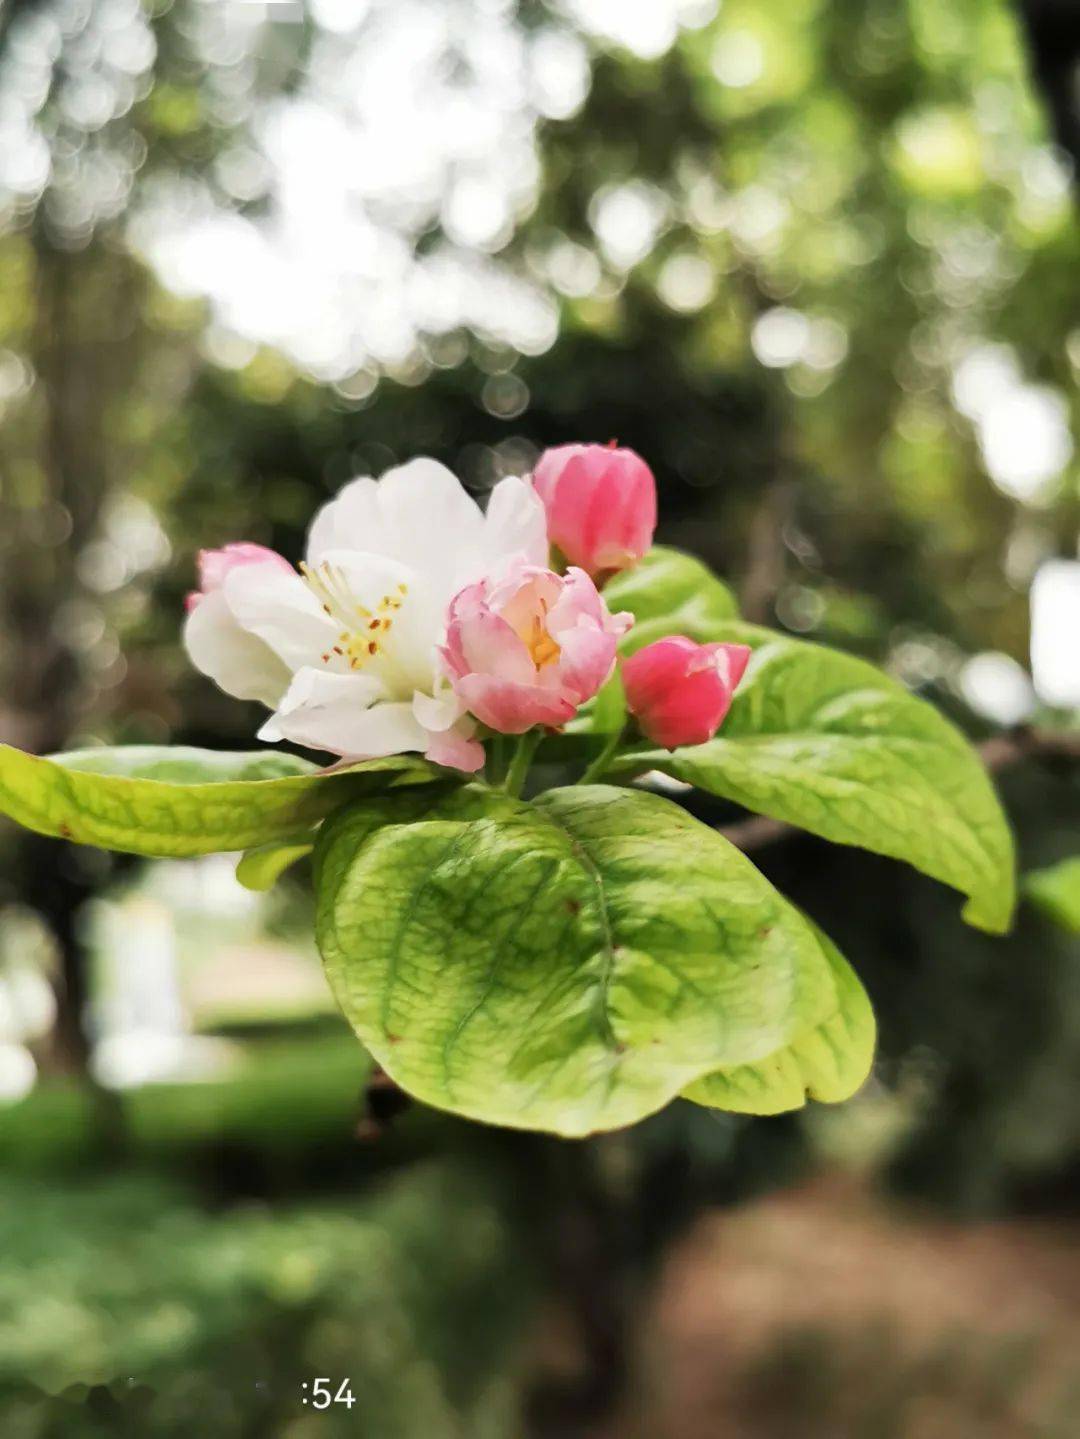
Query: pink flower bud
[(214, 565), (528, 646), (600, 503), (680, 691)]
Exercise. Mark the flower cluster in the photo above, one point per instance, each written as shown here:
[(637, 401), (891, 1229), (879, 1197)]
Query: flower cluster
[(417, 622)]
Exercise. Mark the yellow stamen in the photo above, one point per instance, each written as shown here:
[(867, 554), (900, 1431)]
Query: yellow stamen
[(355, 642), (542, 648)]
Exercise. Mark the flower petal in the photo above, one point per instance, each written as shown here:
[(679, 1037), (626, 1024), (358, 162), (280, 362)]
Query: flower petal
[(489, 645), (437, 712), (420, 515), (587, 659), (214, 565), (346, 715), (600, 503), (238, 662), (350, 521), (579, 597), (433, 524), (657, 670), (278, 607), (515, 523), (513, 708), (679, 691), (394, 592), (455, 750)]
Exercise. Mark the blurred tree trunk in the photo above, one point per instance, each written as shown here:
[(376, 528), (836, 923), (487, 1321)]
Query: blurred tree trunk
[(46, 669), (1053, 32), (50, 509)]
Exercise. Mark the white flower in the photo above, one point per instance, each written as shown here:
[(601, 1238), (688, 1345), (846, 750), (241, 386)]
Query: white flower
[(345, 652)]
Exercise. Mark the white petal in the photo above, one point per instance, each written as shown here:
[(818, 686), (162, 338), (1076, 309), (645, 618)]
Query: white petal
[(432, 524), (238, 662), (407, 658), (345, 715), (367, 575), (350, 521), (278, 607), (439, 711), (515, 523), (417, 514)]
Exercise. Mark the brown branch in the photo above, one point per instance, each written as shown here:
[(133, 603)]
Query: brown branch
[(1000, 753), (756, 832), (1005, 750)]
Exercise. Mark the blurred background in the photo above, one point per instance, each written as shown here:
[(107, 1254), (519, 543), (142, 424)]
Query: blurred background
[(819, 263)]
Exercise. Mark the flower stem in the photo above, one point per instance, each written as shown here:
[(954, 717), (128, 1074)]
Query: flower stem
[(495, 769), (522, 759), (596, 768)]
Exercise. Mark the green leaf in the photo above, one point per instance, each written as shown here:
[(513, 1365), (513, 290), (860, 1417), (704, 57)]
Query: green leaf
[(828, 1062), (670, 593), (569, 964), (170, 802), (261, 868), (1056, 892), (827, 742), (183, 764)]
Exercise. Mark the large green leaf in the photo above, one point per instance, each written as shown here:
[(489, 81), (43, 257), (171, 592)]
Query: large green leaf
[(168, 802), (829, 743), (183, 764), (670, 593), (568, 964), (1056, 891), (827, 1062)]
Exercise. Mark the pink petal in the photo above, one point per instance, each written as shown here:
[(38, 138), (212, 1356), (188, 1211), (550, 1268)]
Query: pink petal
[(512, 708), (489, 646), (680, 691), (654, 670), (455, 751), (600, 503), (215, 566), (579, 597), (586, 661)]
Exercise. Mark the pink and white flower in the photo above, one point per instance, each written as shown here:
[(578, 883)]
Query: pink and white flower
[(600, 503), (527, 646), (346, 652), (238, 660), (680, 692), (215, 565)]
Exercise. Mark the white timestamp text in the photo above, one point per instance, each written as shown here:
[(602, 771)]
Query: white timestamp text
[(320, 1393)]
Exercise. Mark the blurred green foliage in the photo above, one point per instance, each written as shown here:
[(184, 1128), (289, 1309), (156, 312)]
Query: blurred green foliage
[(282, 1093), (1056, 891), (413, 1293)]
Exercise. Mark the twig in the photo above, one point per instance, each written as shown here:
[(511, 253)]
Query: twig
[(596, 770), (756, 832), (1005, 750), (383, 1100)]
